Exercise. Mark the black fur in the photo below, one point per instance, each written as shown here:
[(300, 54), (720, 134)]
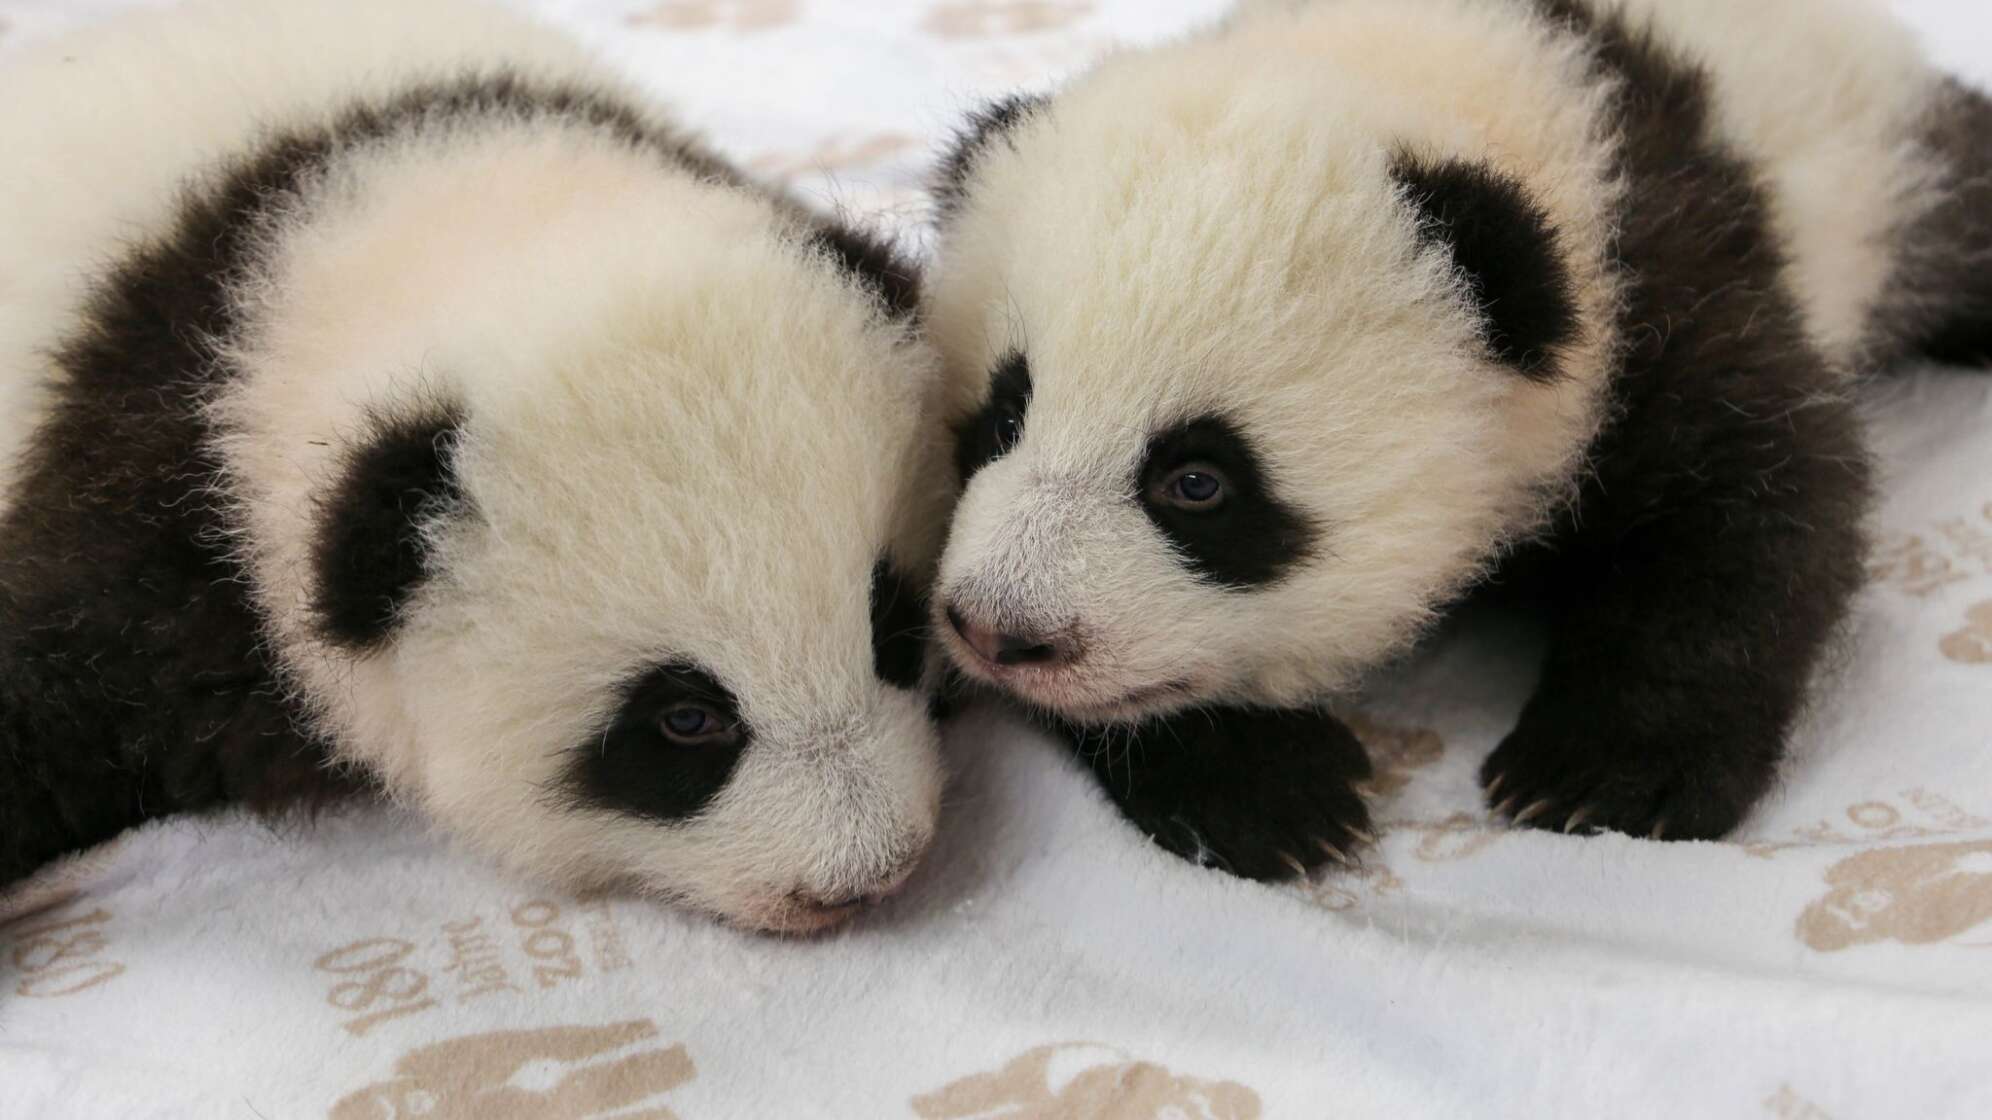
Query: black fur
[(979, 439), (631, 767), (134, 680), (1257, 792), (1717, 542), (1503, 244), (892, 280), (899, 627), (1250, 540), (1941, 297), (983, 127), (370, 554)]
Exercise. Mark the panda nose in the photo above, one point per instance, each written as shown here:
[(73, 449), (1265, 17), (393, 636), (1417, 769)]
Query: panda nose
[(1007, 649)]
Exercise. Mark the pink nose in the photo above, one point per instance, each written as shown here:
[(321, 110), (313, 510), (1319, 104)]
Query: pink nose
[(1007, 649)]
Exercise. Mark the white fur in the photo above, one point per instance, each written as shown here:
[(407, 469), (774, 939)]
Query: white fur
[(1163, 247), (1826, 96), (1210, 226), (687, 439)]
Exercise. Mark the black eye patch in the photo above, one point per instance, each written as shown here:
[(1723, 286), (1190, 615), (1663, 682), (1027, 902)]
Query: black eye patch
[(634, 766), (899, 627), (989, 434), (1250, 538)]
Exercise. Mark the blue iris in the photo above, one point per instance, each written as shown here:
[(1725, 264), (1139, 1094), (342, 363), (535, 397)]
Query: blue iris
[(1198, 488), (689, 722)]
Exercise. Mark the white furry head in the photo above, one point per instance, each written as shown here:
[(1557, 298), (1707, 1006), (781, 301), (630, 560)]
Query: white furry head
[(1246, 373), (577, 490)]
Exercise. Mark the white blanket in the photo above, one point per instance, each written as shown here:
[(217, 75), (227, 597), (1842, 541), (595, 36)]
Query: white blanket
[(1834, 960)]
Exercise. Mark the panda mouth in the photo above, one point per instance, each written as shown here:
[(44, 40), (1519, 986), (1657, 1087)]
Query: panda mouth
[(1138, 704), (1127, 707)]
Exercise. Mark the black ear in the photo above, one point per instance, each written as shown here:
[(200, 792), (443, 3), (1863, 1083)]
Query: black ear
[(1503, 243), (984, 126), (370, 555), (874, 262)]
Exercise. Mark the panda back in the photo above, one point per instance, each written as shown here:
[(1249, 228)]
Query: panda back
[(106, 131), (1825, 99)]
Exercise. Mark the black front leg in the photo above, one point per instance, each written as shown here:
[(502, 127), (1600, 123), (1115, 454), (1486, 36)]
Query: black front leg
[(1692, 614), (1717, 541), (1262, 793)]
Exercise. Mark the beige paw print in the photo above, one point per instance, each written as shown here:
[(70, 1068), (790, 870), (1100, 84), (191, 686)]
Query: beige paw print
[(1786, 1104), (1913, 896), (1082, 1081), (556, 1073), (1460, 836), (1973, 644), (1395, 753), (983, 19), (705, 15), (1339, 894)]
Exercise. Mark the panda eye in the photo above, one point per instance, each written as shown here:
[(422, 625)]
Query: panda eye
[(1006, 429), (695, 725), (1197, 488)]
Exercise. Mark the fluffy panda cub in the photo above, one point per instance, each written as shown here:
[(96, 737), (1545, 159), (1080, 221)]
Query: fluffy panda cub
[(1269, 344), (393, 403)]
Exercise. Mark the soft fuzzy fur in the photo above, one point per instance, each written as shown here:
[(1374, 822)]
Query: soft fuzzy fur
[(1578, 280), (437, 411)]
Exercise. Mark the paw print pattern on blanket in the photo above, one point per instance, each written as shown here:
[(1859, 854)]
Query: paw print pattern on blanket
[(1954, 550), (1396, 753), (980, 19), (1973, 644), (556, 1073), (1341, 891), (1918, 895), (1083, 1081), (705, 15), (1786, 1104), (1460, 836)]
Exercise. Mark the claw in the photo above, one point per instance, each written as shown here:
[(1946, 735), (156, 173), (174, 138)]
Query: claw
[(1299, 871), (1577, 818), (1334, 853), (1363, 836), (1659, 830), (1532, 812), (1507, 808), (1494, 787)]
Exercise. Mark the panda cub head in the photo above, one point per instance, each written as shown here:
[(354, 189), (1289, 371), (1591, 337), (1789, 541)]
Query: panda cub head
[(609, 557), (1250, 374)]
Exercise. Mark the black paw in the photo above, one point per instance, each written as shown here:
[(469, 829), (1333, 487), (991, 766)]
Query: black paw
[(1573, 768), (1259, 793)]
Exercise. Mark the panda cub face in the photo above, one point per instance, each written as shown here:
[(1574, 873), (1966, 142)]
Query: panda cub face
[(616, 572), (1242, 392)]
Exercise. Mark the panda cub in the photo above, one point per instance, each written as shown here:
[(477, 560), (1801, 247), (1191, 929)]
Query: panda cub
[(393, 404), (1267, 345)]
